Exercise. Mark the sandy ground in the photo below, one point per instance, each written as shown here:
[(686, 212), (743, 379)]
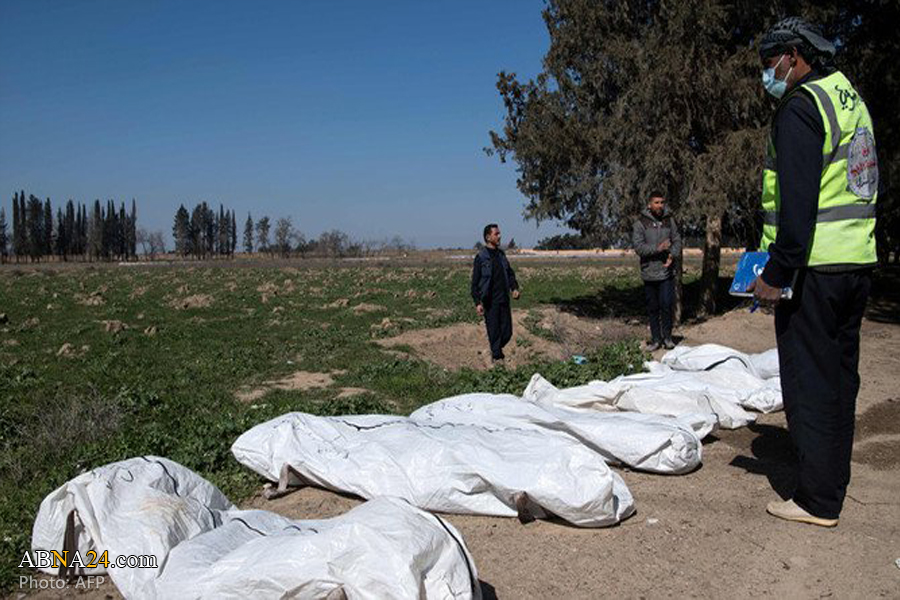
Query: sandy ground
[(707, 533), (561, 335)]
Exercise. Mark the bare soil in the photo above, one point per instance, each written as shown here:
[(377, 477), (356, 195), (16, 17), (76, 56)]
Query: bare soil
[(299, 380), (545, 333)]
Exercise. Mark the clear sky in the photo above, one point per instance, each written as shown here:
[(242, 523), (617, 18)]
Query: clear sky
[(364, 116)]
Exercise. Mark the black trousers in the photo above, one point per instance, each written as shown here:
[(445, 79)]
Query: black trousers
[(498, 318), (660, 296), (818, 353)]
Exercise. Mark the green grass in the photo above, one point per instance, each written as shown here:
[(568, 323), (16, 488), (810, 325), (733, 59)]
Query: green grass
[(118, 395)]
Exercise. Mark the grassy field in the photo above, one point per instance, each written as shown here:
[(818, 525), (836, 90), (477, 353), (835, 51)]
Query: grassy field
[(101, 364)]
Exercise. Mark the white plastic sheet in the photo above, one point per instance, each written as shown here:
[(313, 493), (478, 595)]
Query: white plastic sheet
[(206, 548), (140, 506), (653, 443), (442, 467), (384, 548), (708, 378)]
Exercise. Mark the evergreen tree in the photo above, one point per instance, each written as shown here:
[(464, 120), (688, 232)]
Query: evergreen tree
[(262, 234), (69, 229), (23, 225), (95, 232), (60, 241), (198, 226), (181, 231), (248, 234), (223, 234), (211, 230), (4, 240), (132, 230), (123, 232), (16, 228), (233, 233), (82, 230), (35, 219), (47, 243)]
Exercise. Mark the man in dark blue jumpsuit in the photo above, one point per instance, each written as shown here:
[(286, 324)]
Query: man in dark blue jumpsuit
[(493, 281)]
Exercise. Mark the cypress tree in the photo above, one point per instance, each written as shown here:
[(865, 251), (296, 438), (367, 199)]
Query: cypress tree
[(35, 217), (4, 240), (181, 231), (16, 228), (132, 230), (233, 233), (248, 234), (47, 244), (95, 232), (60, 242), (69, 228)]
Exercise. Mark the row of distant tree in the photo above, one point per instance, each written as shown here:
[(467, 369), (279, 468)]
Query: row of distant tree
[(286, 240), (205, 233), (104, 233)]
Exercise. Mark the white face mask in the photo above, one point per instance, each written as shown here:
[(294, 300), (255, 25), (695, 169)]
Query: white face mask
[(775, 87)]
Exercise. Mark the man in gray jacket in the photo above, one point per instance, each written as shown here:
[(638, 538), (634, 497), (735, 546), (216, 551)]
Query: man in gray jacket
[(656, 241)]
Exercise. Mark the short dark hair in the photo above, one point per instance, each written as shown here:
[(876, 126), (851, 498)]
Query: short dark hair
[(487, 230), (656, 194)]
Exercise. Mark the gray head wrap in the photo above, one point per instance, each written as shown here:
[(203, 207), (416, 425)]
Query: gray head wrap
[(798, 33)]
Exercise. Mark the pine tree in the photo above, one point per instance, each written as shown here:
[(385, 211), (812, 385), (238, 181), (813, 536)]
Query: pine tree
[(248, 234), (4, 240)]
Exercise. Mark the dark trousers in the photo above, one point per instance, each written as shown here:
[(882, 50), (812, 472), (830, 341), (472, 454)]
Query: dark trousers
[(818, 353), (660, 296), (498, 318)]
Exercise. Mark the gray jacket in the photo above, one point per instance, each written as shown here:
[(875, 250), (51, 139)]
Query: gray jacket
[(647, 233)]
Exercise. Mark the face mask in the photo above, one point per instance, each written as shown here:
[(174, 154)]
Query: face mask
[(775, 87)]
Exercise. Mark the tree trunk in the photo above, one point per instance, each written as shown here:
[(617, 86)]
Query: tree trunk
[(678, 308), (712, 253)]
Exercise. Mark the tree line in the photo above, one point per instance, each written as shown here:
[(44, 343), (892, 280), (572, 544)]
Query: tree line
[(204, 233), (104, 233)]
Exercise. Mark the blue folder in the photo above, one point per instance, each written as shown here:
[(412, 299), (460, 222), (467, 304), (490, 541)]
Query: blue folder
[(749, 268)]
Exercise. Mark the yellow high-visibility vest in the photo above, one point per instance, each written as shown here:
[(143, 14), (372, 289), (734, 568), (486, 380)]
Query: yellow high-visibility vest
[(845, 224)]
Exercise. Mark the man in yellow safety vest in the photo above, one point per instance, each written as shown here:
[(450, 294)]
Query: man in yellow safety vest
[(820, 186)]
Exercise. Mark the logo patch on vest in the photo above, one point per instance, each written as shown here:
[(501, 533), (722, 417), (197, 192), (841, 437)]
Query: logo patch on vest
[(862, 165)]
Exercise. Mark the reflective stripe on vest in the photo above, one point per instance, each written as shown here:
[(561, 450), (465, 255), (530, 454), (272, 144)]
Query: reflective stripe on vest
[(845, 221)]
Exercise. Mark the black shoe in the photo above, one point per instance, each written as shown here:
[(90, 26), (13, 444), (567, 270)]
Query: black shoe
[(668, 344), (653, 346)]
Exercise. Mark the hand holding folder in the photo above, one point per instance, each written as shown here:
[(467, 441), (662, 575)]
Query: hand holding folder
[(749, 268)]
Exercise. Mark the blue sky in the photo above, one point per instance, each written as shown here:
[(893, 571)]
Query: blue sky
[(362, 116)]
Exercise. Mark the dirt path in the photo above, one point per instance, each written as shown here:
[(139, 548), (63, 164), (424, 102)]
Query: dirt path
[(707, 533)]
